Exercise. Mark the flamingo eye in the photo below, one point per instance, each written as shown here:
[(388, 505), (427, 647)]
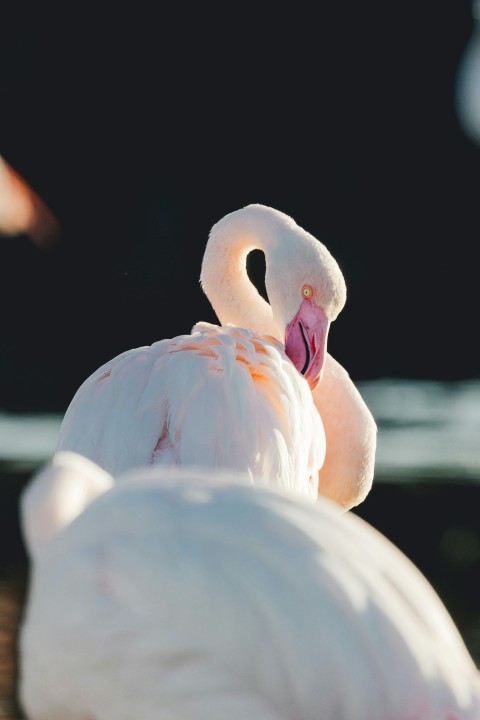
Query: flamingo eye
[(307, 292)]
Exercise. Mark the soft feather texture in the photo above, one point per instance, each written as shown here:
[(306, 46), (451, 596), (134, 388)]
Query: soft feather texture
[(57, 497), (239, 403), (229, 396), (293, 257), (189, 595), (351, 437)]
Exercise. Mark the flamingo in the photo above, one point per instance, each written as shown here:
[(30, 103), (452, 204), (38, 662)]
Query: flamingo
[(185, 593), (258, 393), (23, 211)]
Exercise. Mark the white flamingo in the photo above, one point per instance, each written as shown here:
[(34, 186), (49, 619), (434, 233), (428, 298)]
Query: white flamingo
[(186, 594), (233, 395)]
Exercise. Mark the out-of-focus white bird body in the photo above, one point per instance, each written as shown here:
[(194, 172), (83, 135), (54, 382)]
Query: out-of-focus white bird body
[(238, 396), (184, 593)]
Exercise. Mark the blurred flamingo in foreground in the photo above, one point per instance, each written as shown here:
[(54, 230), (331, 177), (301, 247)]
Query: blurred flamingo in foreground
[(23, 211), (259, 393), (186, 593)]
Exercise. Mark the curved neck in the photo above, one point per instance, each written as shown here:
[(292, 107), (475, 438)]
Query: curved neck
[(224, 277)]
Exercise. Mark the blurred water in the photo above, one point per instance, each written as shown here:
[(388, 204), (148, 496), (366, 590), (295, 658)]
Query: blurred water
[(427, 429), (27, 440)]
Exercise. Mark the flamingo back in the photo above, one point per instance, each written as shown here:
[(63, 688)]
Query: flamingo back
[(221, 397)]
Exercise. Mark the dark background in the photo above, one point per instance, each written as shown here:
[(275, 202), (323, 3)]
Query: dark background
[(141, 130)]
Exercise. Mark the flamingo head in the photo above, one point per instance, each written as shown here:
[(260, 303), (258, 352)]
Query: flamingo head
[(305, 287), (307, 291)]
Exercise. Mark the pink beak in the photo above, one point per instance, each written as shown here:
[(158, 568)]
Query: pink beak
[(306, 341)]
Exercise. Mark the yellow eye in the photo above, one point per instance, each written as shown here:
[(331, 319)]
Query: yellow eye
[(307, 292)]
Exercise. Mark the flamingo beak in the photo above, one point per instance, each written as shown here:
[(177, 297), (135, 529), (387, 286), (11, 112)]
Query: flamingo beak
[(306, 341)]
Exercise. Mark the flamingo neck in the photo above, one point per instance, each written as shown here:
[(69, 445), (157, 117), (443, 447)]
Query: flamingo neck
[(224, 277)]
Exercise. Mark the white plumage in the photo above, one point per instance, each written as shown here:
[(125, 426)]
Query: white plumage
[(186, 594), (220, 396), (239, 395)]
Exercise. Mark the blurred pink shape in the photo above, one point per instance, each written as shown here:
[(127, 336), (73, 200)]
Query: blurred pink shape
[(23, 211)]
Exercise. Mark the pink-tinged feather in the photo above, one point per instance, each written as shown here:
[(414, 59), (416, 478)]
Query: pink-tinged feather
[(250, 394), (23, 211)]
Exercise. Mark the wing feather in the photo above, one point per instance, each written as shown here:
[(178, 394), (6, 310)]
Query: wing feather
[(220, 397)]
